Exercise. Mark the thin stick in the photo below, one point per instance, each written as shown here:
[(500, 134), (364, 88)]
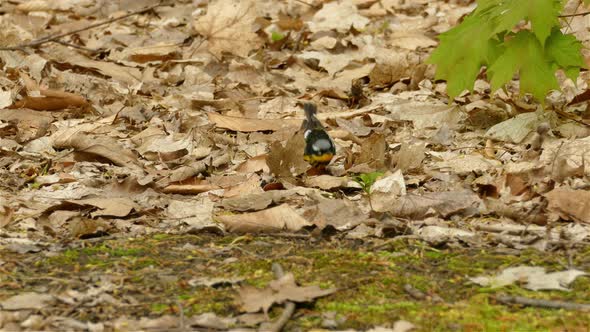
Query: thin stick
[(507, 299), (572, 15), (53, 38), (277, 326), (414, 292)]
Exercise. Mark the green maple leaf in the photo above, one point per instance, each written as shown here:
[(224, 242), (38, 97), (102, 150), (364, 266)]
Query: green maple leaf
[(461, 53), (564, 51), (504, 15), (525, 55)]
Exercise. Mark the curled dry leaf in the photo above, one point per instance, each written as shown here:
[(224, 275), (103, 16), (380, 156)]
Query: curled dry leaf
[(96, 146), (280, 218), (189, 189), (52, 100)]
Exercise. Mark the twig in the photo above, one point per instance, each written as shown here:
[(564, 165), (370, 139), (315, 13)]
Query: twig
[(55, 37), (277, 326), (572, 15), (182, 326), (507, 299), (414, 292)]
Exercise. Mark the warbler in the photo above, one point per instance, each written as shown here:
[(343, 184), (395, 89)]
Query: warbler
[(319, 147)]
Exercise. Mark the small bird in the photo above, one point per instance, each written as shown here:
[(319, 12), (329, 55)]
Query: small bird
[(319, 147)]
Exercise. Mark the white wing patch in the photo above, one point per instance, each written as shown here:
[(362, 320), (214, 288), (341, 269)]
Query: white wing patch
[(321, 145)]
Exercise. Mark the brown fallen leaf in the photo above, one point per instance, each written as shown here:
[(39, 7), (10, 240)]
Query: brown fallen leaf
[(287, 161), (96, 146), (53, 100), (114, 206), (227, 26), (340, 214), (189, 189), (249, 124), (25, 123), (250, 186), (328, 182), (253, 165), (390, 68), (372, 155), (61, 54), (570, 204), (283, 289), (442, 204), (280, 218)]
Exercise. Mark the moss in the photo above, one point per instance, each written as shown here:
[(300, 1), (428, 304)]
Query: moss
[(370, 283)]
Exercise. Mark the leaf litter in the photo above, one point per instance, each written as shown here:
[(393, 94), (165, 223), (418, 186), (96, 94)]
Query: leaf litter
[(183, 119)]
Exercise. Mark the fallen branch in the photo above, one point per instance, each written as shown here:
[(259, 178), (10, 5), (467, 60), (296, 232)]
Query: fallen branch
[(277, 326), (55, 37), (507, 299)]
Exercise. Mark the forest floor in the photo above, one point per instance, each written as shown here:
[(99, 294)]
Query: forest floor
[(152, 174)]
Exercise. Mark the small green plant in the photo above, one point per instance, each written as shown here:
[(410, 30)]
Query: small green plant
[(366, 180), (276, 36), (509, 37)]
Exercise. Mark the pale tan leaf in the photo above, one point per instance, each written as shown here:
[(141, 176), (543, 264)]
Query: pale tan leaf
[(570, 204), (95, 145), (114, 207), (280, 218), (228, 27), (249, 124), (340, 16)]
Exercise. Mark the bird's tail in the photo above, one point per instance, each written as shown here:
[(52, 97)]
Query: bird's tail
[(310, 110)]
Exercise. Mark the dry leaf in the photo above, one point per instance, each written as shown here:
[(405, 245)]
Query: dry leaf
[(442, 204), (570, 204), (113, 207), (390, 68), (196, 213), (340, 16), (228, 27), (250, 125), (30, 300), (340, 214), (533, 277), (276, 219), (253, 165), (287, 161), (52, 100), (279, 291), (95, 145), (28, 124)]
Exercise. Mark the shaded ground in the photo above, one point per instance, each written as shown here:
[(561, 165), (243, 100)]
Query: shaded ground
[(152, 276)]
